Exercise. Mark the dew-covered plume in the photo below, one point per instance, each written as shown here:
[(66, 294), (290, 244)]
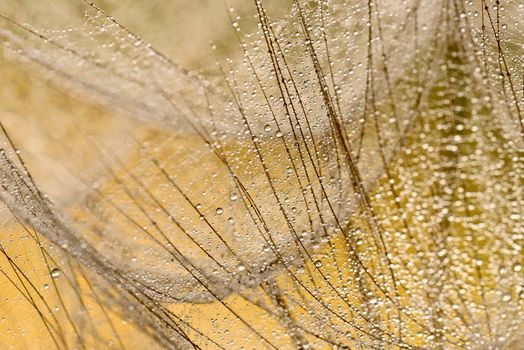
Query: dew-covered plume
[(350, 178)]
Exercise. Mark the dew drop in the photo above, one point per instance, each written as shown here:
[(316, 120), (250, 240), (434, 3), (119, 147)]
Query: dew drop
[(55, 273)]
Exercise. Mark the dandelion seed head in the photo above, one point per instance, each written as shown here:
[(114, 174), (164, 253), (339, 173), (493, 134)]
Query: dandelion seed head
[(353, 180)]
